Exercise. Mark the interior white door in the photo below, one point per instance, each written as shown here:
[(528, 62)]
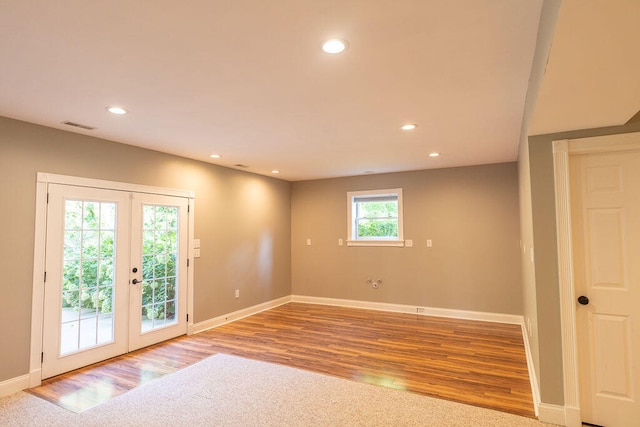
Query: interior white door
[(158, 269), (86, 288), (116, 274), (605, 205)]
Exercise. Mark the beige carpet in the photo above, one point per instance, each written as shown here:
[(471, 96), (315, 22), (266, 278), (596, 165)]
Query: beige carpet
[(231, 391)]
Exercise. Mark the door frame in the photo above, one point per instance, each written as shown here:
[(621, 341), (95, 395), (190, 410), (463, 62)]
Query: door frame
[(562, 149), (37, 302)]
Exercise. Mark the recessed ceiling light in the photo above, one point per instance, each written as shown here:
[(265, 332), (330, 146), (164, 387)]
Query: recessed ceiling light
[(215, 156), (334, 46), (434, 154), (275, 171), (116, 110), (410, 126)]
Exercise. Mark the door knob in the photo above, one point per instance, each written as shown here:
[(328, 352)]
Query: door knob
[(136, 281), (583, 300)]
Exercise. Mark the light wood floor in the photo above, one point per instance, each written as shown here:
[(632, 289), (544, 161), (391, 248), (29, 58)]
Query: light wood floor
[(478, 363)]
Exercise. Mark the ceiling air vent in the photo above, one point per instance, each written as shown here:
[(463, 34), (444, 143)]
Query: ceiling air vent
[(78, 125)]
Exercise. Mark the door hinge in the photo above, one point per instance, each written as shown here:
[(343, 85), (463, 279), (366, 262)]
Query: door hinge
[(187, 262), (45, 277), (47, 198), (188, 208), (42, 357), (187, 317)]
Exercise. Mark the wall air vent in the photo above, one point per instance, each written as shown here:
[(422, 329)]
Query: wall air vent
[(78, 125), (241, 166)]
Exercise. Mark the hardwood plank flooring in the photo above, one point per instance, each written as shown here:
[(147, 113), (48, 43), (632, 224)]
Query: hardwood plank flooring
[(478, 363)]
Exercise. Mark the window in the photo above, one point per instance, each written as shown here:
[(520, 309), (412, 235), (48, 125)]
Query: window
[(375, 218)]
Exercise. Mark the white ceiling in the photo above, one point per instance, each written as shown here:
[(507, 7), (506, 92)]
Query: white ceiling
[(247, 79), (593, 74)]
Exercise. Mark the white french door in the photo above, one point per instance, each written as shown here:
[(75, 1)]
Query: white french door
[(158, 302), (116, 276)]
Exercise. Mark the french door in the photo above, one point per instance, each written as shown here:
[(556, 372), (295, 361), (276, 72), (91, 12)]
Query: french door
[(116, 276)]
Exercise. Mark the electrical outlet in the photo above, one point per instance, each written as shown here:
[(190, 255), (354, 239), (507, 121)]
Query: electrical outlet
[(237, 293), (420, 310)]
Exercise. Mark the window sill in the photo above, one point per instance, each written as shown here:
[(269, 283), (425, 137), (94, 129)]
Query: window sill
[(393, 243)]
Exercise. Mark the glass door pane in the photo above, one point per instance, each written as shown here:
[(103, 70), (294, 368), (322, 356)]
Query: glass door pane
[(159, 270), (88, 275)]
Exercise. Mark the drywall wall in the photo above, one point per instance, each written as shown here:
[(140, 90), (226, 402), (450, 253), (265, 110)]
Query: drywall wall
[(242, 220), (546, 30), (527, 256), (469, 213)]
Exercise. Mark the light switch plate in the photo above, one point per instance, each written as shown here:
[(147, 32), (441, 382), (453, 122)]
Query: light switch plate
[(196, 253), (196, 243)]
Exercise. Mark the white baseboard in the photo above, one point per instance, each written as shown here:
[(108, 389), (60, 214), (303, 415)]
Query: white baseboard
[(548, 413), (552, 414), (14, 385), (236, 315), (535, 387), (412, 309)]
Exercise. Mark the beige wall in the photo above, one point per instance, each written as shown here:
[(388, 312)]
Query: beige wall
[(529, 300), (243, 221), (470, 213), (548, 20)]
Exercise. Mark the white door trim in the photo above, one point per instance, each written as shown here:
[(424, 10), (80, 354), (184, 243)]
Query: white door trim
[(561, 152), (565, 277), (37, 300)]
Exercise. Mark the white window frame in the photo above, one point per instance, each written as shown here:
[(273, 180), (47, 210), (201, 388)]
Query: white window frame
[(352, 239)]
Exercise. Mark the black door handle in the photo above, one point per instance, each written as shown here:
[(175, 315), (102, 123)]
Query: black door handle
[(583, 300), (136, 281)]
